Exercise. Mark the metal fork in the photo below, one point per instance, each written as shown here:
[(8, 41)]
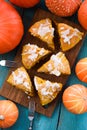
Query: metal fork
[(31, 113), (8, 63)]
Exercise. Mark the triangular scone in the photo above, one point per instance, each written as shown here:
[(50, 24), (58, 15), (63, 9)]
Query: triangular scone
[(57, 65), (21, 80), (46, 89), (31, 54), (69, 36), (43, 29)]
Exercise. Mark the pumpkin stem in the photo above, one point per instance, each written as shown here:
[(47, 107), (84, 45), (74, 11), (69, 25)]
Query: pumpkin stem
[(2, 117)]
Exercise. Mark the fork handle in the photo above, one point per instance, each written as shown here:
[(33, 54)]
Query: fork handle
[(31, 124)]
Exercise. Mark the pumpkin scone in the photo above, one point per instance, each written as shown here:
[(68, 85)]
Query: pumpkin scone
[(69, 36), (57, 65), (31, 54), (21, 80), (43, 30), (47, 90)]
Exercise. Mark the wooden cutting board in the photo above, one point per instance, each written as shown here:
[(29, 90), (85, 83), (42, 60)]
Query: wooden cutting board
[(20, 97)]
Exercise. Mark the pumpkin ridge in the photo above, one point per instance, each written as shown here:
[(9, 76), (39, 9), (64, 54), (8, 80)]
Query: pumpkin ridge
[(84, 78), (72, 100), (8, 108), (74, 106), (81, 110), (73, 95), (82, 70), (11, 114), (74, 89)]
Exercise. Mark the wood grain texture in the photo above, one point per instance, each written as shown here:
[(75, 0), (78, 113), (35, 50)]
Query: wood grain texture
[(18, 96)]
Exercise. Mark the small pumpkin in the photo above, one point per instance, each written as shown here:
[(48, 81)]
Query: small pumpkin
[(25, 3), (82, 14), (63, 8), (75, 99), (8, 113), (81, 69), (11, 27)]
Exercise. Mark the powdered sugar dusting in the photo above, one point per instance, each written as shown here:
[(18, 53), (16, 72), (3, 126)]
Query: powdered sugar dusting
[(65, 34), (57, 61), (45, 28), (20, 77), (46, 87), (33, 51)]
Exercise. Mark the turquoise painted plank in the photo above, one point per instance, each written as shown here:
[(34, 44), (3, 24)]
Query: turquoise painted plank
[(45, 123), (69, 121)]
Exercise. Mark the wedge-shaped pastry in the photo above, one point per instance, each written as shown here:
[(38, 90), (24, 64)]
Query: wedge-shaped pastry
[(21, 80), (46, 89), (31, 54), (69, 36), (43, 30), (57, 65)]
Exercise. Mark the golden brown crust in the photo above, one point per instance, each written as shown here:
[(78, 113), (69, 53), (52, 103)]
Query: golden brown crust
[(57, 65), (69, 36), (43, 30), (47, 90), (31, 54), (21, 80)]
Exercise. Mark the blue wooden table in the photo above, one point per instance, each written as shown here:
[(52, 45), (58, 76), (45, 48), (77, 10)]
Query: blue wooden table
[(61, 118)]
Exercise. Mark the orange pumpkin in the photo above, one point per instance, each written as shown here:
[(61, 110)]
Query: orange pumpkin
[(11, 27), (82, 14), (25, 3), (75, 99), (81, 69), (8, 113), (63, 8)]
